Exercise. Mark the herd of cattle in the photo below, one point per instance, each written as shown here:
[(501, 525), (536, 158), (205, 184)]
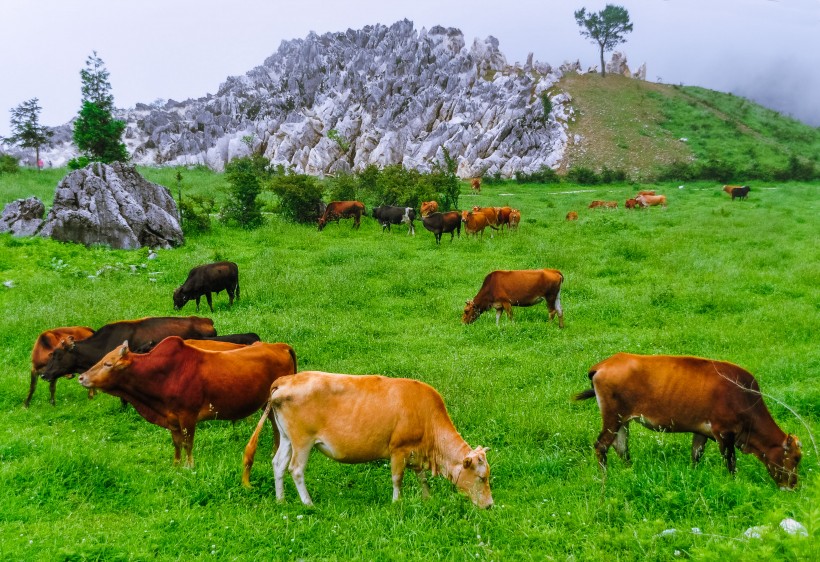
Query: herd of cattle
[(176, 372)]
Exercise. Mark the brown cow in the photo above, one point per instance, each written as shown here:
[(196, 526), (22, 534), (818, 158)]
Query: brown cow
[(572, 216), (632, 204), (503, 217), (441, 223), (490, 212), (502, 290), (177, 385), (428, 207), (515, 218), (728, 188), (336, 210), (206, 279), (475, 222), (354, 419), (646, 192), (475, 185), (710, 399), (595, 204), (604, 204), (46, 343), (651, 200)]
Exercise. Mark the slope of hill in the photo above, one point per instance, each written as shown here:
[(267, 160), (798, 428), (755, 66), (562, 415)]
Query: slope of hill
[(641, 127)]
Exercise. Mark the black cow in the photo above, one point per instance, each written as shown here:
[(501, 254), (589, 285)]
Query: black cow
[(439, 223), (247, 338), (77, 356), (207, 279), (740, 192), (387, 215)]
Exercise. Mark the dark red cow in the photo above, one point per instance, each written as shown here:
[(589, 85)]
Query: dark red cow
[(76, 356), (710, 399), (46, 343), (177, 385), (441, 223), (206, 279), (336, 210)]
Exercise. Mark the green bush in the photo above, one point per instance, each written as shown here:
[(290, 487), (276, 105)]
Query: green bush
[(242, 207), (545, 174), (79, 162), (300, 196), (196, 213), (8, 164), (583, 176), (344, 187)]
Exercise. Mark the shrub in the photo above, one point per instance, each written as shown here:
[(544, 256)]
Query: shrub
[(300, 196), (442, 180), (344, 187), (612, 176), (79, 162), (396, 185), (8, 164), (583, 176), (242, 207), (544, 174), (195, 212)]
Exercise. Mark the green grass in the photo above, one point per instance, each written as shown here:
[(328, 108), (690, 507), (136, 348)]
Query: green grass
[(709, 277)]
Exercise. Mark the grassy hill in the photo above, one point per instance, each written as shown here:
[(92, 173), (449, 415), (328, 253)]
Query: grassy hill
[(643, 127)]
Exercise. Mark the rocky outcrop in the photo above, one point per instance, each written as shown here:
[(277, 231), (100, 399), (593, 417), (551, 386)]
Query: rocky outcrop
[(22, 217), (113, 205)]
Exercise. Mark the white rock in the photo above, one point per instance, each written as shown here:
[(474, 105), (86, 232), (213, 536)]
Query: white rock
[(793, 527)]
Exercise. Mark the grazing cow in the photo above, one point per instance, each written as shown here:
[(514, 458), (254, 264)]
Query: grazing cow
[(646, 192), (475, 222), (441, 223), (475, 185), (572, 216), (710, 399), (207, 279), (337, 210), (741, 192), (177, 385), (603, 204), (515, 218), (46, 343), (247, 338), (490, 212), (632, 204), (503, 217), (651, 200), (355, 419), (728, 188), (75, 356), (387, 215), (428, 207), (502, 290)]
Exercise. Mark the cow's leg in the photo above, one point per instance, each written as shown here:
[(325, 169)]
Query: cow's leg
[(52, 388), (298, 463), (555, 308), (508, 309), (698, 444), (621, 443), (280, 464), (230, 291), (397, 464), (210, 303), (197, 304), (726, 442), (421, 474), (497, 315), (611, 426), (34, 376)]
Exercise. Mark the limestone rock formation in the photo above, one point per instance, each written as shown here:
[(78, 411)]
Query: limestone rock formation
[(113, 205), (22, 217)]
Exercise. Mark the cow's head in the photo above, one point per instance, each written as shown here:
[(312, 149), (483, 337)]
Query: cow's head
[(782, 460), (471, 312), (322, 223), (180, 298), (62, 361), (473, 478), (104, 372), (464, 215)]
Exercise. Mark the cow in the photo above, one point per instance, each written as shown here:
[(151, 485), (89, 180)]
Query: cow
[(75, 356), (46, 343), (441, 223), (428, 207), (206, 279), (728, 188), (177, 385), (646, 192), (632, 204), (475, 185), (572, 216), (503, 217), (603, 204), (387, 215), (475, 222), (651, 200), (337, 210), (740, 192), (247, 338), (708, 398), (355, 419), (515, 218), (503, 289), (490, 212)]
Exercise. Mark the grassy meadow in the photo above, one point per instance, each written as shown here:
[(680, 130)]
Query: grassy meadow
[(736, 281)]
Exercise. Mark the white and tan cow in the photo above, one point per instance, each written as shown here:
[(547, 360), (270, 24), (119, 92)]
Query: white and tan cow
[(355, 419)]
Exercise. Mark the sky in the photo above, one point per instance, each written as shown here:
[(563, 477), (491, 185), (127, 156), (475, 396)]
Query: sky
[(765, 50)]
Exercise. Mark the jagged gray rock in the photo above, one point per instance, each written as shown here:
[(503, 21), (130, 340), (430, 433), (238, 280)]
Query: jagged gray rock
[(112, 204), (22, 217)]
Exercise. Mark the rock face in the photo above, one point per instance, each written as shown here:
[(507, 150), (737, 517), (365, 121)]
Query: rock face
[(113, 205), (22, 217)]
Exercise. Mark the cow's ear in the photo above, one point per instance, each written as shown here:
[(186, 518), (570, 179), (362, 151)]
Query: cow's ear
[(467, 462), (70, 342), (124, 348)]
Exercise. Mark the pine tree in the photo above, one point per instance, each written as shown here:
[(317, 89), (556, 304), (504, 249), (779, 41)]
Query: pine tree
[(26, 130)]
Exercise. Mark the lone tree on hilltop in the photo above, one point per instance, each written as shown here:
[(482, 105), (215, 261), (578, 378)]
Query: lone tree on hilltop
[(26, 130), (96, 133), (606, 28)]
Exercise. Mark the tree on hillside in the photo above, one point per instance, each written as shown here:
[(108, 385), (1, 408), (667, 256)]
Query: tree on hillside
[(96, 133), (606, 28), (26, 130)]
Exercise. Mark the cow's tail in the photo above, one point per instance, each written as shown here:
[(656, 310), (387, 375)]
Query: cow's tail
[(589, 393), (250, 448), (293, 358)]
